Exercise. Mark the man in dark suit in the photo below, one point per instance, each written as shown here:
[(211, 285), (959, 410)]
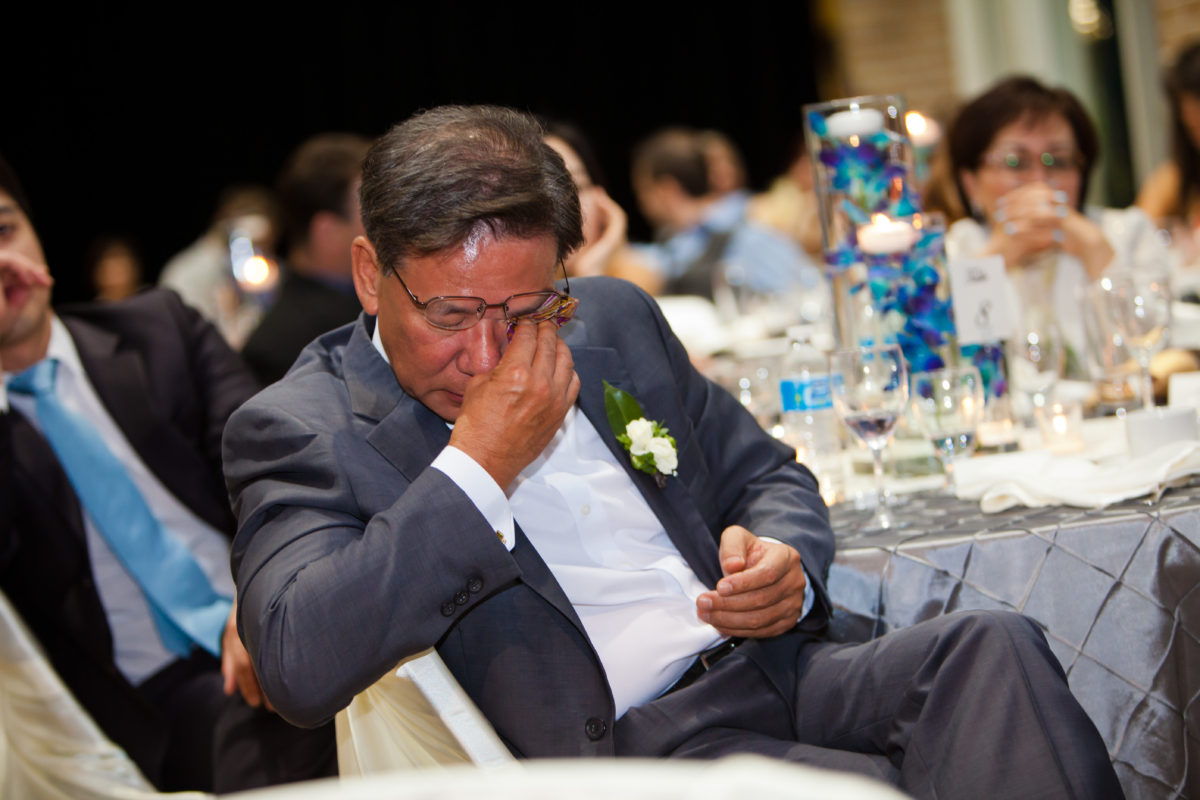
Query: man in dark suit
[(318, 195), (153, 383), (588, 608)]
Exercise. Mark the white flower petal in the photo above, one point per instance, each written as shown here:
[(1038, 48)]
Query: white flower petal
[(665, 458), (640, 432)]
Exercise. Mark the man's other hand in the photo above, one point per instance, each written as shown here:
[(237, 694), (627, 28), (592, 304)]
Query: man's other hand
[(762, 592), (237, 668), (19, 276), (510, 414)]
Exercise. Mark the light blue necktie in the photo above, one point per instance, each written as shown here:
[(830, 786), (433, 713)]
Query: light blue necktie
[(183, 603)]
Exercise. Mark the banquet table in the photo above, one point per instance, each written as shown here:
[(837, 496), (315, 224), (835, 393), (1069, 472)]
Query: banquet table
[(1116, 590)]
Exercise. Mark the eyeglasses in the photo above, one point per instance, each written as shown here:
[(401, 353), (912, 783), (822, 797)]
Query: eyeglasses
[(452, 313), (1021, 160)]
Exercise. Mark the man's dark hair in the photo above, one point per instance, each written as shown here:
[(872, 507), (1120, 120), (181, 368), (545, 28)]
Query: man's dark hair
[(317, 177), (674, 153), (429, 181), (11, 186), (1012, 99), (1184, 78)]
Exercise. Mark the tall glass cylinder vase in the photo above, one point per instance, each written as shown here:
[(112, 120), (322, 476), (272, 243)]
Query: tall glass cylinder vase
[(863, 166)]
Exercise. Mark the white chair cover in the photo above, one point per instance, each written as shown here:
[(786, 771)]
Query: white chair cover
[(733, 778), (52, 750), (416, 716)]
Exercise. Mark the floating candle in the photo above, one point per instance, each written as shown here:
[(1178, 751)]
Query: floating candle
[(854, 122), (886, 236)]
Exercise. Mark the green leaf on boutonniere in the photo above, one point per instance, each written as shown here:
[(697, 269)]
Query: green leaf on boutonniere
[(620, 407), (650, 446)]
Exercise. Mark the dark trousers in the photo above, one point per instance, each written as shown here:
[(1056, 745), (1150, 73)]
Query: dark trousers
[(966, 705), (219, 744)]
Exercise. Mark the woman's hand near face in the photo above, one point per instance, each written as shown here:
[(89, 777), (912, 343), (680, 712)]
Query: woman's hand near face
[(1034, 218)]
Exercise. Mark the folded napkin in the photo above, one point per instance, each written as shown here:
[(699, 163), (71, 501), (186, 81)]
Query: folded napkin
[(1040, 479)]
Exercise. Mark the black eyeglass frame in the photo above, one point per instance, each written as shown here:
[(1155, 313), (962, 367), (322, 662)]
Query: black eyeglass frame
[(560, 316)]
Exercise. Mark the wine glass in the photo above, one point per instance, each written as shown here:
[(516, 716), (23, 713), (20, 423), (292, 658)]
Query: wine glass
[(1037, 357), (870, 392), (1139, 308), (948, 406)]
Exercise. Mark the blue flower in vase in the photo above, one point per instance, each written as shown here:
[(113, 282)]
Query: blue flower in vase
[(929, 335), (817, 123), (925, 275)]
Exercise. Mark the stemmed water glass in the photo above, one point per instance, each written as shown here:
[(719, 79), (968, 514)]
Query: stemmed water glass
[(948, 406), (1037, 357), (1139, 308), (870, 392)]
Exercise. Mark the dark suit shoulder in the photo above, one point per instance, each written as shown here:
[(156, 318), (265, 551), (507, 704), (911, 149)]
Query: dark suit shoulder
[(150, 309), (305, 309)]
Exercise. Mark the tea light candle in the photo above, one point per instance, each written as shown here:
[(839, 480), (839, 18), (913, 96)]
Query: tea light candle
[(1061, 425), (886, 236), (854, 122)]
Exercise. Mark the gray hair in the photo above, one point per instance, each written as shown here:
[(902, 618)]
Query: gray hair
[(431, 180)]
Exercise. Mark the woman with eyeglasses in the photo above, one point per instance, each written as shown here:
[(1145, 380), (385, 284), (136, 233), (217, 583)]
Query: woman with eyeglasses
[(1022, 154)]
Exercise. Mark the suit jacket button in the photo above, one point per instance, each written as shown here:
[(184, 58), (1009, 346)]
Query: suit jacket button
[(461, 597), (447, 609), (475, 585), (595, 729)]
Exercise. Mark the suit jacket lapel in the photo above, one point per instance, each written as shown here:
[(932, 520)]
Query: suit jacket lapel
[(119, 376), (672, 504), (405, 432), (119, 379), (410, 436)]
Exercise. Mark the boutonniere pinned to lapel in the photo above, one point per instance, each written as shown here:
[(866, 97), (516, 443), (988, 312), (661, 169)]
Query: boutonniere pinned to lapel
[(651, 448)]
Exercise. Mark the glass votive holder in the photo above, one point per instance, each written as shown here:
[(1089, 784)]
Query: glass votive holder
[(1061, 425)]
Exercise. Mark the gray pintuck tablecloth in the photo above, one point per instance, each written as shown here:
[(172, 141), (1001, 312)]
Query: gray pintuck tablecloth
[(1117, 592)]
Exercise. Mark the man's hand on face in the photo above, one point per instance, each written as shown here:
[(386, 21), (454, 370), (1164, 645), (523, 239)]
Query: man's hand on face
[(762, 592), (19, 276), (510, 414)]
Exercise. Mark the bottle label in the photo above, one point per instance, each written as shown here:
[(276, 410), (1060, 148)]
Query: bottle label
[(806, 395)]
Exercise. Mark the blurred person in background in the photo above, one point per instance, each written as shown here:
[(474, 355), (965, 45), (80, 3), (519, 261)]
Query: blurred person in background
[(606, 249), (318, 192), (1022, 156), (726, 168), (115, 268), (1173, 190), (703, 234), (789, 205), (202, 273)]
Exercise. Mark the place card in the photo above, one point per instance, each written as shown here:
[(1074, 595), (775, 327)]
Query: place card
[(979, 292)]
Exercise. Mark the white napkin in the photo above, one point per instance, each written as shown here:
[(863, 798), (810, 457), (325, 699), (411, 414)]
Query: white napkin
[(1040, 479)]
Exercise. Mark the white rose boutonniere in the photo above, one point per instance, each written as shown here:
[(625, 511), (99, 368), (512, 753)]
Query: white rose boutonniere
[(651, 447)]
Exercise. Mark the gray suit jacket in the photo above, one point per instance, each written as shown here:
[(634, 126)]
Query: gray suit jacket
[(352, 553)]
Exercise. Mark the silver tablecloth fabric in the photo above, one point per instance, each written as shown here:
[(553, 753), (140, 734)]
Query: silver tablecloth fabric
[(1116, 590)]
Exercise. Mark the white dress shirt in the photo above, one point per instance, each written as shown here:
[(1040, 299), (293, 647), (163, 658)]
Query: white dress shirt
[(633, 591), (137, 649)]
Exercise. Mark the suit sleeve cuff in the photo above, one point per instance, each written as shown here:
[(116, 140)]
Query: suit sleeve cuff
[(480, 489), (809, 595)]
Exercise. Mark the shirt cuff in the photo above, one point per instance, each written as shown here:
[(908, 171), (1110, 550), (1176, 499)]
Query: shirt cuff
[(480, 489), (809, 595)]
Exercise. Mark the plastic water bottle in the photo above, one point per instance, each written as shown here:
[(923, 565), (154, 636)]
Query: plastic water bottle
[(810, 424)]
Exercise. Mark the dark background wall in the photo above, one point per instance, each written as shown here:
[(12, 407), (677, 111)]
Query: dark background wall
[(130, 121)]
